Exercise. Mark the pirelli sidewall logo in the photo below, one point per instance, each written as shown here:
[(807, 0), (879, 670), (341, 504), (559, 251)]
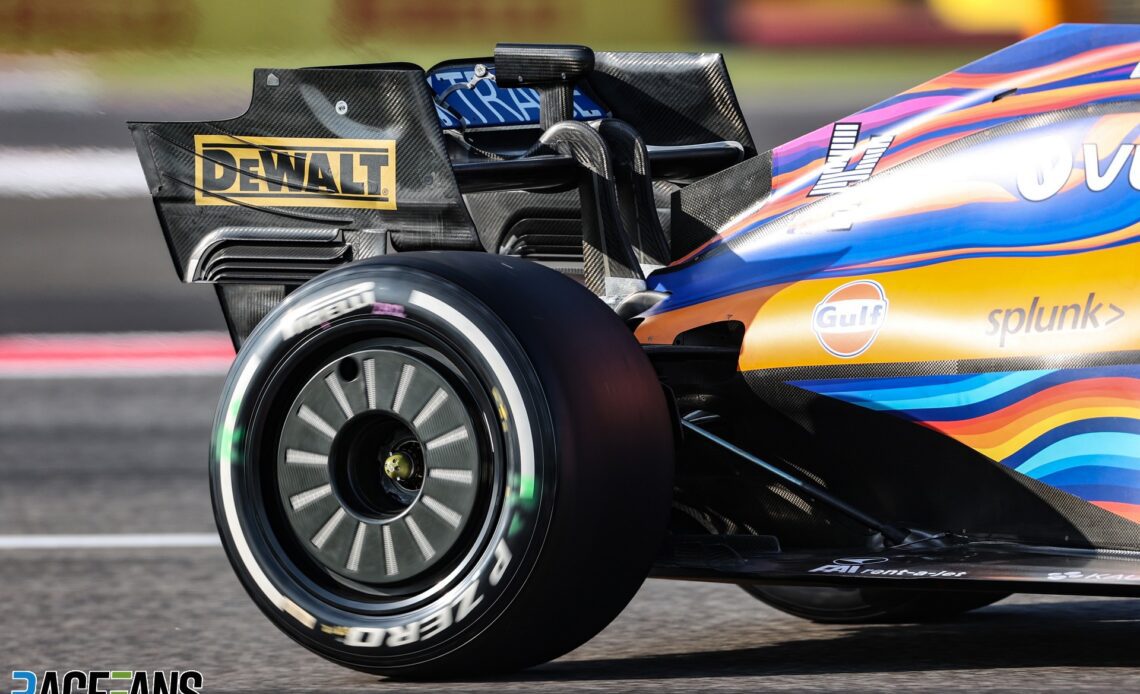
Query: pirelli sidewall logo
[(295, 172)]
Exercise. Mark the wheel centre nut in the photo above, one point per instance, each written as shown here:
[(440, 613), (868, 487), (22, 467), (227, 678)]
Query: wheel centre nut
[(398, 466)]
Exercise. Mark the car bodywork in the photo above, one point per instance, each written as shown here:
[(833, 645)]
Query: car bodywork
[(927, 309)]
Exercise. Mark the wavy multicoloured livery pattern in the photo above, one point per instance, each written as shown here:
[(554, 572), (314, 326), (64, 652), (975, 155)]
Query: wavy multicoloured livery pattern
[(966, 201), (1075, 429), (997, 208)]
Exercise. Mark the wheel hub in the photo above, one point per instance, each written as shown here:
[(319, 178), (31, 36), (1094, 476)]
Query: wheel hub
[(399, 467), (378, 466)]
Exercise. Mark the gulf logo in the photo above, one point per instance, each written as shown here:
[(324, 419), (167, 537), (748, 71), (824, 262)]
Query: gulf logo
[(848, 319)]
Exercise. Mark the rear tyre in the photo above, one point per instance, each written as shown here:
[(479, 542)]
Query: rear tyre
[(438, 464), (870, 605)]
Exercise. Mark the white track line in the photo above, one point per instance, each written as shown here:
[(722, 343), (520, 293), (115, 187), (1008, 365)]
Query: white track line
[(87, 172), (116, 541)]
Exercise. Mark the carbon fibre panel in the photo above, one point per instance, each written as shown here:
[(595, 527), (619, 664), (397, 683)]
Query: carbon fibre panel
[(303, 106), (967, 566)]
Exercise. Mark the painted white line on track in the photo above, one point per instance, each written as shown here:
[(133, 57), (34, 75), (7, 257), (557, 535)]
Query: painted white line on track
[(47, 84), (86, 172), (110, 541)]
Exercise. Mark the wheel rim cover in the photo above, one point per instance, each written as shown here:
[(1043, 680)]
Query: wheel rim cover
[(378, 548)]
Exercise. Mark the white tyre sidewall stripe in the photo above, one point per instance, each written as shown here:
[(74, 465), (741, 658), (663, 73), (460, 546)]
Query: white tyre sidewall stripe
[(519, 418)]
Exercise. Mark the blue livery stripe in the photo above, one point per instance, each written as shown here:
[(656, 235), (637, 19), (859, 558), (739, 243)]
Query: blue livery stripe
[(1077, 450), (983, 388)]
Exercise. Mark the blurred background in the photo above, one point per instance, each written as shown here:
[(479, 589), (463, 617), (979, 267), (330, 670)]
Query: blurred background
[(82, 247), (110, 368)]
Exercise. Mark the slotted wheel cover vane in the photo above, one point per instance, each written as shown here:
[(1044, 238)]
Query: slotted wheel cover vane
[(374, 547)]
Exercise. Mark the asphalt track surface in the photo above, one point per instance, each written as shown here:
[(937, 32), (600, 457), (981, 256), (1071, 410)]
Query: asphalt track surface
[(121, 456), (126, 455)]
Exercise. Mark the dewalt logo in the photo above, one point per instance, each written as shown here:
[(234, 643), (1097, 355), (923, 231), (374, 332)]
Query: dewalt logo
[(295, 172)]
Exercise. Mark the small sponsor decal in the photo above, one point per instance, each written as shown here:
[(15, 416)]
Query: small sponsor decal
[(861, 561), (848, 319), (107, 681), (869, 566), (380, 308), (295, 172), (1049, 164), (1090, 576), (837, 172), (486, 102), (1040, 319)]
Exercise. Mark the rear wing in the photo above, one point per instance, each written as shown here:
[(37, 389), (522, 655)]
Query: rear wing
[(334, 164)]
